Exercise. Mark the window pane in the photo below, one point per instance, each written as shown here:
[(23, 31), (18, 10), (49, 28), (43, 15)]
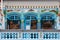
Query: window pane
[(27, 17), (33, 17), (12, 17), (16, 17)]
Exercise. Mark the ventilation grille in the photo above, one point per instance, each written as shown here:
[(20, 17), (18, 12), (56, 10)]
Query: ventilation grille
[(31, 6)]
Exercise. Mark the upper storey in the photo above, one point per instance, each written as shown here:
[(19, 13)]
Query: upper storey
[(31, 4), (31, 0)]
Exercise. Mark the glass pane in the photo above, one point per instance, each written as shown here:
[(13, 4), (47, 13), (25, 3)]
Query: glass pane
[(12, 17), (16, 17), (33, 17), (27, 17), (44, 18), (49, 17)]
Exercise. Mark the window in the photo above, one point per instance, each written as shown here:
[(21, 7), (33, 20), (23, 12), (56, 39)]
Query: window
[(47, 21), (16, 17), (27, 17), (49, 17), (33, 17), (12, 17), (44, 18)]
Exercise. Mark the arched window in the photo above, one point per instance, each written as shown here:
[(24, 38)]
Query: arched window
[(48, 20), (13, 20)]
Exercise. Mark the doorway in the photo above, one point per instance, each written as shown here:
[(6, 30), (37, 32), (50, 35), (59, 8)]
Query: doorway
[(33, 22), (30, 22)]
